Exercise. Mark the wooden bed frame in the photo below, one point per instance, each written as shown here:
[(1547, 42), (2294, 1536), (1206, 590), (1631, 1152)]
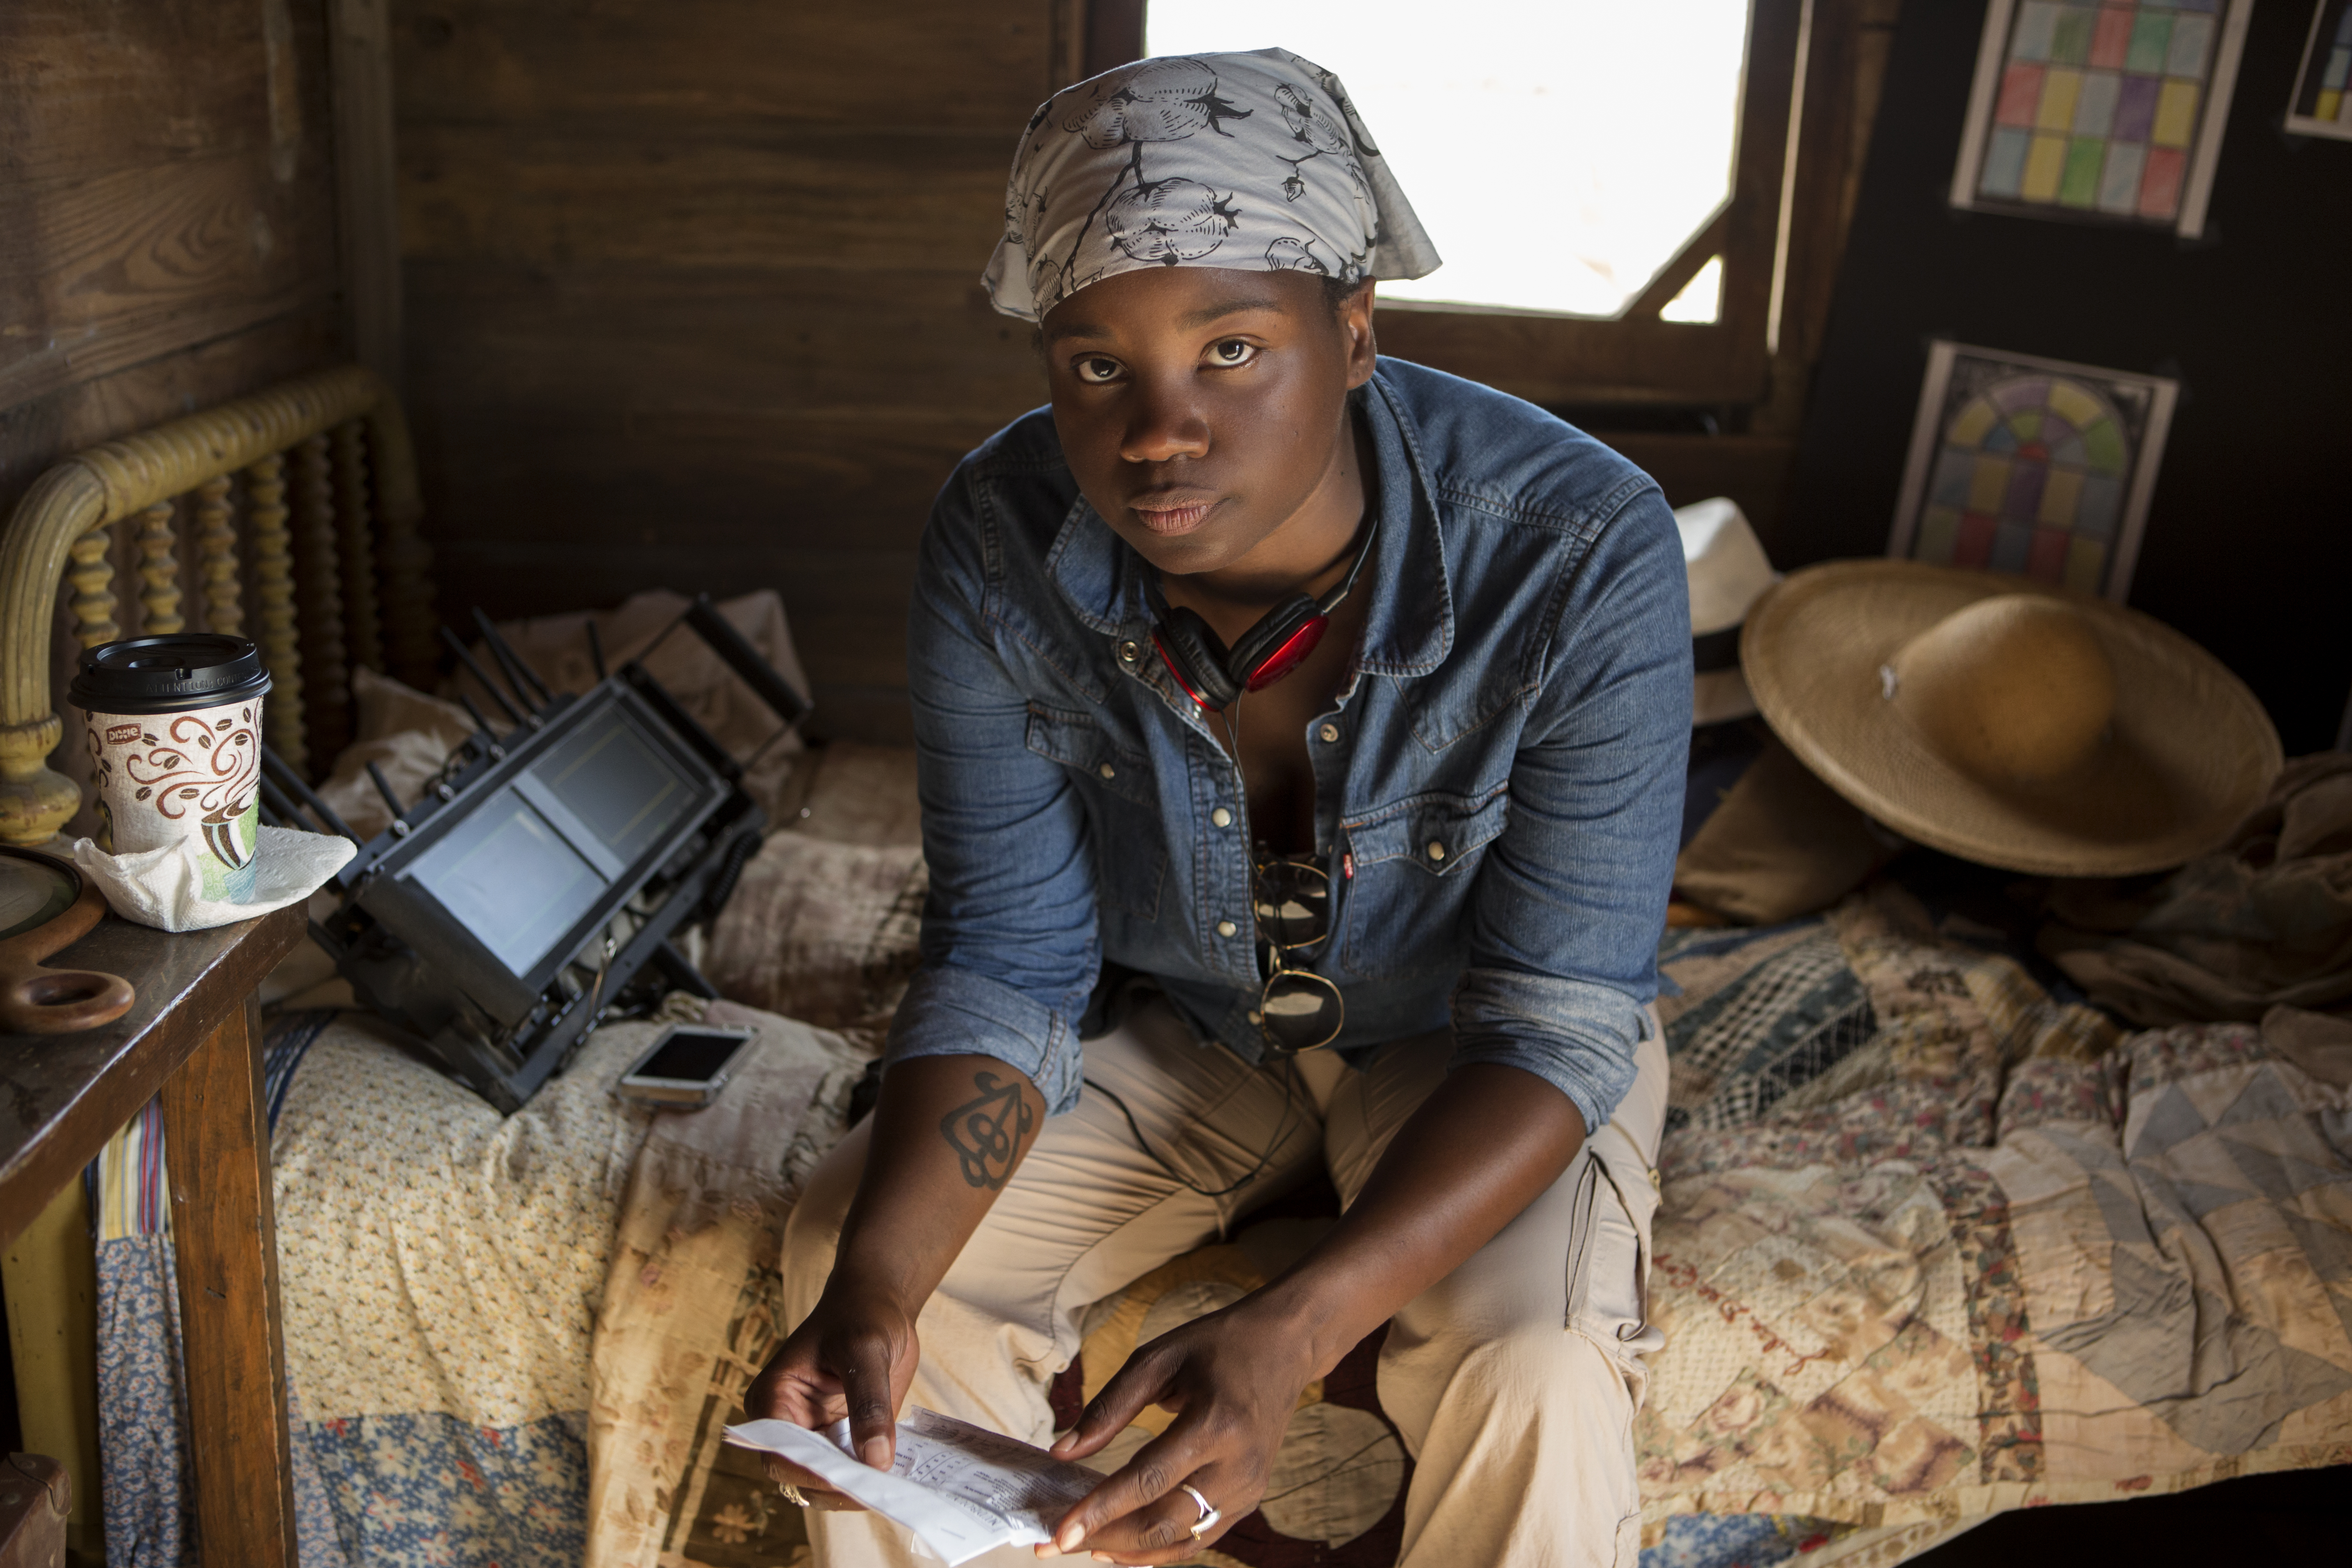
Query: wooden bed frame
[(303, 496)]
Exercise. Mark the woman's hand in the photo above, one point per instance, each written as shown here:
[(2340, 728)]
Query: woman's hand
[(1232, 1378), (854, 1357)]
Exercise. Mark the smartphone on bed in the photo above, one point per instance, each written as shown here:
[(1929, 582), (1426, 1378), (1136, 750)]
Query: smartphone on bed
[(686, 1066)]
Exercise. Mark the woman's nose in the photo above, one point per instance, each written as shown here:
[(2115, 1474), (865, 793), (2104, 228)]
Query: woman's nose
[(1163, 424)]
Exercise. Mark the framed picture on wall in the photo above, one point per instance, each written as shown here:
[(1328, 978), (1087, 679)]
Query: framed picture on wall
[(2107, 113), (2322, 104), (2032, 466)]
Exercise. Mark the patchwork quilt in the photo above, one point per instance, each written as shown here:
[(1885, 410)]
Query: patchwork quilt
[(1990, 1253), (1937, 1242), (440, 1268)]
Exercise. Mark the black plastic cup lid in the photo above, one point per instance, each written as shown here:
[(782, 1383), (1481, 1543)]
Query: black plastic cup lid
[(168, 674)]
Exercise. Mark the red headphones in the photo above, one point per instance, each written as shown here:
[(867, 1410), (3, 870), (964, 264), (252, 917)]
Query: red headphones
[(1213, 674)]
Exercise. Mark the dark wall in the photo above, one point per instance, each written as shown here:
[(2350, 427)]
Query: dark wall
[(167, 218), (693, 300), (2249, 540)]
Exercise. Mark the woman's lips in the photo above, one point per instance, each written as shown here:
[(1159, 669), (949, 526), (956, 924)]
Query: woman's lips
[(1167, 515)]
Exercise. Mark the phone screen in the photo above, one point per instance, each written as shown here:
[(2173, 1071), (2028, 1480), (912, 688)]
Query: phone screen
[(692, 1055)]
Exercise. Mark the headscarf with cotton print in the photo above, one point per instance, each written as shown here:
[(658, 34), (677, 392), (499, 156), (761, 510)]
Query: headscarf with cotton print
[(1256, 162)]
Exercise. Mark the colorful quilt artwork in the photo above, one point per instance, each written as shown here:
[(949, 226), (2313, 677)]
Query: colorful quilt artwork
[(2108, 110), (2032, 466), (2321, 105)]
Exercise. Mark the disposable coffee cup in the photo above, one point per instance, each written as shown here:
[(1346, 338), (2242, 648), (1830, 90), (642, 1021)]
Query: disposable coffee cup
[(175, 727)]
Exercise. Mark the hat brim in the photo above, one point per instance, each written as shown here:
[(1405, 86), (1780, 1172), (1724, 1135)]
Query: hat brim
[(2188, 752)]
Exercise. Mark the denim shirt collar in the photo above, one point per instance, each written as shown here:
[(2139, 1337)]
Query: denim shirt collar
[(1409, 628)]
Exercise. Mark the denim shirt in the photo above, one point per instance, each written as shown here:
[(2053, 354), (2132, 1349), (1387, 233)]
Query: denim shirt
[(1499, 811)]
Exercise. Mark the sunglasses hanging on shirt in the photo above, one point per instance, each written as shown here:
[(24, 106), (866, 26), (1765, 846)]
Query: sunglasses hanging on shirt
[(1214, 675)]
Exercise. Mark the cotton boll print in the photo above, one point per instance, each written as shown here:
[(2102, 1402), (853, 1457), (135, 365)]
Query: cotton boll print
[(1167, 101), (1321, 133), (1288, 255), (1169, 221), (1251, 160)]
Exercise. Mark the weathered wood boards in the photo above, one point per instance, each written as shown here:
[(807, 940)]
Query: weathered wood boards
[(692, 299)]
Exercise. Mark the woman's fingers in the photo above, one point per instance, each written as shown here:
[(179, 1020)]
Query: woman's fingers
[(1102, 1520), (863, 1361), (1162, 1530), (821, 1494), (1133, 1389)]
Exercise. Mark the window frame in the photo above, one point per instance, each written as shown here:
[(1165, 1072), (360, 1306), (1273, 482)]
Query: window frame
[(1634, 357)]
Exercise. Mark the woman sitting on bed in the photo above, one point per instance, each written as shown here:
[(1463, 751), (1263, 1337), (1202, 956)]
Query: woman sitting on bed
[(1214, 898)]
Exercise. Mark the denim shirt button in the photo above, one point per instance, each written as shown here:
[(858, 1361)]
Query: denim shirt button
[(1226, 927), (1128, 652), (1108, 771), (1222, 817), (1328, 733), (1436, 851)]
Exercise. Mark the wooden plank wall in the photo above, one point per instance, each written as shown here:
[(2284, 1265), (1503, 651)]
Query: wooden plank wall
[(692, 299), (167, 213)]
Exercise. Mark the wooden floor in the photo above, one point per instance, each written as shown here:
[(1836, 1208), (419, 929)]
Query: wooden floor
[(2297, 1517)]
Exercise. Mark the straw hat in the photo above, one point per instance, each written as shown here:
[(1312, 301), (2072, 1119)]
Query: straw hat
[(2006, 721)]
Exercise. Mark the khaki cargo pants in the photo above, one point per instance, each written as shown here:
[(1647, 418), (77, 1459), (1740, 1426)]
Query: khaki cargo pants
[(1513, 1380)]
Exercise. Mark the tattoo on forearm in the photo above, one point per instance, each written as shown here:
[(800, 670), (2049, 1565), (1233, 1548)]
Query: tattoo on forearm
[(986, 1133)]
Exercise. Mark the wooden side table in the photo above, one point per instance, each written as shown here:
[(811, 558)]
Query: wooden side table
[(195, 1034)]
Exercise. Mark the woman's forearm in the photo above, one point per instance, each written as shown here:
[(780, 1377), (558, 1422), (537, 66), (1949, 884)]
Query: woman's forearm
[(949, 1132), (1483, 1147)]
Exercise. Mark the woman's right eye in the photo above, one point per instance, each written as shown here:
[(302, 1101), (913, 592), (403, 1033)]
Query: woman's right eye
[(1097, 369)]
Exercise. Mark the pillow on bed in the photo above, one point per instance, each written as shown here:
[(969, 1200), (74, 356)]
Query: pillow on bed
[(556, 648), (821, 931), (401, 729)]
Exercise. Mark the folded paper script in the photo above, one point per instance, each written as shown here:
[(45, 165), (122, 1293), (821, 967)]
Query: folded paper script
[(961, 1489)]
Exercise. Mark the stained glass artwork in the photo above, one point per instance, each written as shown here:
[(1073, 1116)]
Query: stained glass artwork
[(2109, 112), (2321, 105), (2032, 467)]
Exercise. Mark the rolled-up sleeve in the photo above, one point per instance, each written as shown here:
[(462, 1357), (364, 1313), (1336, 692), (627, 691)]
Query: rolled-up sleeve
[(1010, 947), (1571, 900)]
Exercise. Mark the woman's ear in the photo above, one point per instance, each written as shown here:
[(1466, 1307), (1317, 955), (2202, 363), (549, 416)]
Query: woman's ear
[(1356, 326)]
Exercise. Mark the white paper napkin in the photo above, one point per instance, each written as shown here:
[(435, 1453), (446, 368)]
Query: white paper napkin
[(165, 888)]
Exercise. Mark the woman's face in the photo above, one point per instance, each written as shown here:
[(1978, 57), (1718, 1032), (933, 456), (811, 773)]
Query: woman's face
[(1202, 408)]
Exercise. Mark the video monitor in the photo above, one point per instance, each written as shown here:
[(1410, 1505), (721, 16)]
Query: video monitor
[(561, 839), (511, 879)]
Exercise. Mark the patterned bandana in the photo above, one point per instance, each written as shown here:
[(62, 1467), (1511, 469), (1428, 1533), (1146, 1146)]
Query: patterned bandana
[(1256, 162)]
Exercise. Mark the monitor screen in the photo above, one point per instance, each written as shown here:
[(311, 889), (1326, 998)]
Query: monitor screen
[(620, 787), (511, 880)]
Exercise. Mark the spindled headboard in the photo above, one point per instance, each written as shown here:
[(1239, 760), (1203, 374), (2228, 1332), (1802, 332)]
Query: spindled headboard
[(304, 494)]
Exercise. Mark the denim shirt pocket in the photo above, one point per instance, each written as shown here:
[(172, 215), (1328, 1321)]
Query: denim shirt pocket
[(1122, 807), (1413, 866)]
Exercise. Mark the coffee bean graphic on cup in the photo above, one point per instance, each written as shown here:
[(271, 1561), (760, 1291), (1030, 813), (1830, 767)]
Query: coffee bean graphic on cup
[(175, 727)]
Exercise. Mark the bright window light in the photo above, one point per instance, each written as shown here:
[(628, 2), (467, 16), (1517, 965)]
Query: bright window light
[(1701, 299), (1558, 152)]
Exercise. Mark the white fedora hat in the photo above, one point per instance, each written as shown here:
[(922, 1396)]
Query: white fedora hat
[(1729, 573)]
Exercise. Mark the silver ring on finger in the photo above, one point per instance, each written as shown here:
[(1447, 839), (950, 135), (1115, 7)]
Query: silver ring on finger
[(1208, 1514), (791, 1494)]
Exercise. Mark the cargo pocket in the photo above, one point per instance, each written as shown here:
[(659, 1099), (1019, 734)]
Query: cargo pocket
[(1608, 1256)]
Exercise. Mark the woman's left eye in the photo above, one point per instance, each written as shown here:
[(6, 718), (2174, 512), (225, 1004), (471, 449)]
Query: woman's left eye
[(1228, 352)]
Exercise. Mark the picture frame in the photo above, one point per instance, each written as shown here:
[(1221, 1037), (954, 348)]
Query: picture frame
[(2320, 104), (2040, 466), (2110, 114)]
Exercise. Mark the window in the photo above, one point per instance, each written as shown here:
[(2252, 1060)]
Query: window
[(1557, 172), (1604, 178)]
